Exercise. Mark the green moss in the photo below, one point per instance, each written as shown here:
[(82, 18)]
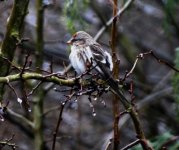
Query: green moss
[(15, 34)]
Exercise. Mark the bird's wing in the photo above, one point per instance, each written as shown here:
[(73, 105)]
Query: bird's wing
[(99, 55), (100, 58), (104, 61)]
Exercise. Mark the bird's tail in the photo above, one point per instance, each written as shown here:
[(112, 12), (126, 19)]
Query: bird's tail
[(115, 87), (106, 74)]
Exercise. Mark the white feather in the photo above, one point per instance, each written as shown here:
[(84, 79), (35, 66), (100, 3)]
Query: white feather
[(79, 55), (88, 53), (77, 63)]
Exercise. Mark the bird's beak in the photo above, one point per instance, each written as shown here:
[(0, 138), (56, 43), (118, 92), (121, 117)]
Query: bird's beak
[(69, 42)]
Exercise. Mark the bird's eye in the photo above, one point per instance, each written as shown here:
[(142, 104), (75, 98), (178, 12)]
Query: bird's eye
[(74, 40), (77, 40)]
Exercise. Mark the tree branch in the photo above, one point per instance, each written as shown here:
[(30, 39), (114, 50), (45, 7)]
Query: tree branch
[(37, 76), (13, 33), (119, 13), (20, 118), (115, 75)]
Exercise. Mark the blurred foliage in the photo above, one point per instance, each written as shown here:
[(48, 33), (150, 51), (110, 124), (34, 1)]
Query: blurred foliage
[(166, 139), (176, 83), (170, 5), (72, 12), (170, 12)]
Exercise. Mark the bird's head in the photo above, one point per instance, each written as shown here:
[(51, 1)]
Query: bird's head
[(81, 38)]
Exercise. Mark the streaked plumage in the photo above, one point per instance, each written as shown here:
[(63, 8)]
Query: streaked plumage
[(85, 51)]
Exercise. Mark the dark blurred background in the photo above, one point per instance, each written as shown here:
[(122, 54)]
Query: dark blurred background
[(146, 25)]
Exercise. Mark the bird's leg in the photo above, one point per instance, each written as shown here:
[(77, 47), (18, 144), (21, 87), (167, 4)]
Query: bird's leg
[(81, 87), (88, 65)]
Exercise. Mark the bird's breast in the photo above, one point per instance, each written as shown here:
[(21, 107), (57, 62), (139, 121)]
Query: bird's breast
[(77, 60)]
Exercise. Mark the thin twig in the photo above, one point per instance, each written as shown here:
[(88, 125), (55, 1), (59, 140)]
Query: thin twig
[(11, 63), (131, 145), (108, 145), (24, 66), (119, 13), (169, 142), (131, 91), (163, 61), (58, 124), (51, 110), (33, 90), (150, 99), (12, 88), (133, 67), (20, 118), (150, 53), (11, 145)]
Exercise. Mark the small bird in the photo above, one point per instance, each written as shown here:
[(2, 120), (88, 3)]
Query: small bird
[(87, 53)]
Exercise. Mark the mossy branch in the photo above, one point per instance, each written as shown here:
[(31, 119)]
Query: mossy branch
[(37, 76), (39, 96), (13, 33)]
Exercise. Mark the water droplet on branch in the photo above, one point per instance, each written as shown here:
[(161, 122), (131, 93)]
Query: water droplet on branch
[(19, 100), (94, 114)]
